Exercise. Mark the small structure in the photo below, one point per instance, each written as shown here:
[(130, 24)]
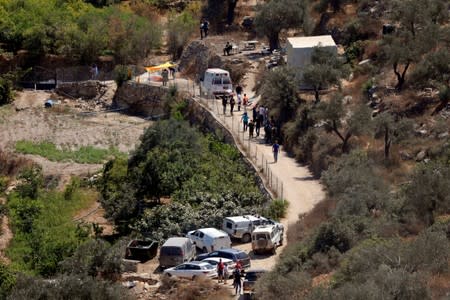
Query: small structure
[(299, 50)]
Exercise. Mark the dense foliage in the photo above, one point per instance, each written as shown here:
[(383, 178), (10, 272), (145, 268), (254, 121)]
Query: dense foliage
[(204, 179), (75, 29), (43, 237), (360, 240)]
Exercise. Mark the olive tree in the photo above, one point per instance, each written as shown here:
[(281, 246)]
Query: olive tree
[(333, 114), (279, 92), (416, 34), (275, 15), (392, 130), (325, 69), (428, 193)]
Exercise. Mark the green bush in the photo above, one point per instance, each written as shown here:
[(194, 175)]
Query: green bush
[(277, 209), (44, 233), (7, 281), (6, 91), (121, 75)]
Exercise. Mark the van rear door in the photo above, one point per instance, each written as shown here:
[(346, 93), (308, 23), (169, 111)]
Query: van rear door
[(221, 242)]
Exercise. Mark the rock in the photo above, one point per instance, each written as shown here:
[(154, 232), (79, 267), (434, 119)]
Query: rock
[(129, 284), (443, 135), (421, 155), (363, 62), (405, 155), (348, 99), (197, 57)]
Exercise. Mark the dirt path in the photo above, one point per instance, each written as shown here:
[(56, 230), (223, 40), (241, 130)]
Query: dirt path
[(286, 178)]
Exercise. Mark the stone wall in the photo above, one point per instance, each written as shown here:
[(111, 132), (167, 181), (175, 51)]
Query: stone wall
[(140, 99), (85, 89)]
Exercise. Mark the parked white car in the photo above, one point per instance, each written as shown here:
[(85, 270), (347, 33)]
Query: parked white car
[(214, 261), (192, 270), (209, 239)]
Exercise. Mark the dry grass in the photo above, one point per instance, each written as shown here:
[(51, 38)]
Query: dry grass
[(199, 289), (11, 164), (319, 214), (439, 286)]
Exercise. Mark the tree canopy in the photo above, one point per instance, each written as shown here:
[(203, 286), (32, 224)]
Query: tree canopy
[(325, 69), (275, 15)]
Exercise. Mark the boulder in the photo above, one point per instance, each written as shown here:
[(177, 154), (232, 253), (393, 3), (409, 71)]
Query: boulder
[(196, 58), (421, 155), (405, 155)]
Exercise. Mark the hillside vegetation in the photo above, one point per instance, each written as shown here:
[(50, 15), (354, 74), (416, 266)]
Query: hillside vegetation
[(374, 128)]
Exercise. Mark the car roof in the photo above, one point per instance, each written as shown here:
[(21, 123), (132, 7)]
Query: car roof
[(217, 70), (214, 232), (263, 228), (194, 262), (175, 242), (244, 218), (230, 250), (218, 258)]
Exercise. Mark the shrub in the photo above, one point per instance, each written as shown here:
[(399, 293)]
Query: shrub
[(7, 281), (332, 234), (277, 209), (6, 91), (290, 286), (121, 75), (30, 181), (68, 287)]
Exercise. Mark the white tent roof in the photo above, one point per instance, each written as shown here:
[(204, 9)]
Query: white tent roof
[(312, 41)]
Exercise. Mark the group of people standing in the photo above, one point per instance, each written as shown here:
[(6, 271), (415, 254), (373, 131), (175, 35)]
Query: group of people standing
[(223, 274)]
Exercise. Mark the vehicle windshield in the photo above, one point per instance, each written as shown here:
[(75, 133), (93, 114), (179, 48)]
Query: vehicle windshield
[(208, 267), (171, 251), (242, 255)]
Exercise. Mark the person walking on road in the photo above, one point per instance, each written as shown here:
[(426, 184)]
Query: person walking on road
[(275, 150), (220, 267), (239, 101), (257, 125), (224, 103), (245, 120), (251, 127), (245, 100), (225, 273), (231, 104), (237, 281)]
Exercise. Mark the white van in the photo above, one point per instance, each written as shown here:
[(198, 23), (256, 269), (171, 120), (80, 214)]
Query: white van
[(209, 239), (216, 82), (175, 251)]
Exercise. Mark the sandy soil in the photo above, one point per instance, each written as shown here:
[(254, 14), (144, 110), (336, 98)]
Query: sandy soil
[(66, 126)]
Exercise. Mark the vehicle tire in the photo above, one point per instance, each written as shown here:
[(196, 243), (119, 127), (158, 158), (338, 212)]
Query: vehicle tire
[(274, 249), (205, 250), (168, 275), (281, 242), (246, 238)]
